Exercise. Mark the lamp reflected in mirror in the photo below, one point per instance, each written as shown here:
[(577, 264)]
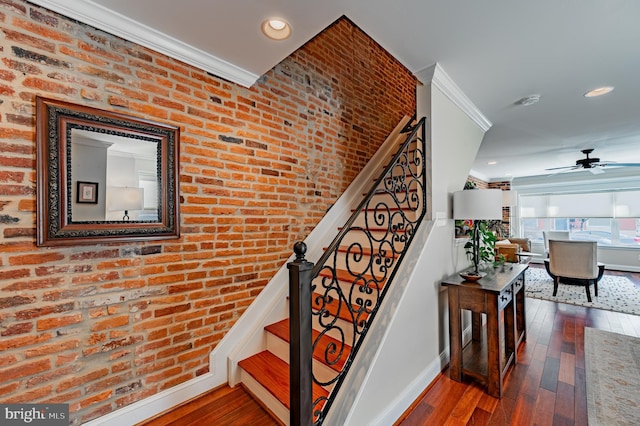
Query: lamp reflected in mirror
[(125, 199)]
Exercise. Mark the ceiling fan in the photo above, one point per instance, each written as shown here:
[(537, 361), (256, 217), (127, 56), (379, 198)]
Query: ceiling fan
[(594, 165)]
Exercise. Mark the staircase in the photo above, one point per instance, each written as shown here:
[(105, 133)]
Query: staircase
[(348, 284)]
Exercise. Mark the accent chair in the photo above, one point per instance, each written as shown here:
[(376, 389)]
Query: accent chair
[(575, 262)]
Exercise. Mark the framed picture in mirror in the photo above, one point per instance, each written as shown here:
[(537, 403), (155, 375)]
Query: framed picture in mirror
[(87, 192)]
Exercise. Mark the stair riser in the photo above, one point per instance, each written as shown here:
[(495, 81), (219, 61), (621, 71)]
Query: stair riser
[(373, 242), (353, 294), (265, 398), (357, 265), (280, 348), (400, 201), (371, 218), (347, 330)]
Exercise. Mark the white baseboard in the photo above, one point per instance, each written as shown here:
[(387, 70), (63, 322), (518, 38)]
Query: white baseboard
[(156, 404)]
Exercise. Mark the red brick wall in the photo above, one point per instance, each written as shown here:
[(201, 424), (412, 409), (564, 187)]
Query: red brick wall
[(100, 327)]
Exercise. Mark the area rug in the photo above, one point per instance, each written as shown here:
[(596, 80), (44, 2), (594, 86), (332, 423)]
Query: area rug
[(612, 363), (618, 294)]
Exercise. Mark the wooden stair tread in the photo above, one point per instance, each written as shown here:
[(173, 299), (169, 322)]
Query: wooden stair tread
[(273, 374), (399, 231), (406, 175), (391, 209), (383, 191), (281, 330)]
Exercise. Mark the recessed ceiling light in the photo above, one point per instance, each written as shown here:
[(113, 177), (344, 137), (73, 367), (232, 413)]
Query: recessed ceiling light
[(599, 91), (491, 163), (276, 28)]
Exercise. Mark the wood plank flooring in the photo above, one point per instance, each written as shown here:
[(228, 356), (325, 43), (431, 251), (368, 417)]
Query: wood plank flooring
[(223, 406), (546, 387)]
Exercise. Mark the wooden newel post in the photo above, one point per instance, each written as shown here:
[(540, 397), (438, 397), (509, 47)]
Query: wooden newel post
[(300, 350)]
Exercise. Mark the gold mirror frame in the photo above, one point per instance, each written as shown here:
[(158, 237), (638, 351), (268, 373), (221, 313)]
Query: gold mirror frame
[(55, 121)]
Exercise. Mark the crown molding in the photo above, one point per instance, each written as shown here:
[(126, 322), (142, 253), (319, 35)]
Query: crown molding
[(98, 16), (441, 80)]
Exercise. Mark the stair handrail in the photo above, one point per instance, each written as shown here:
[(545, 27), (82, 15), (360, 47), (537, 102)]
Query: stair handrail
[(302, 273)]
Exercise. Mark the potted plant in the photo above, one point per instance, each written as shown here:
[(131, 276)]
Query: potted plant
[(481, 246)]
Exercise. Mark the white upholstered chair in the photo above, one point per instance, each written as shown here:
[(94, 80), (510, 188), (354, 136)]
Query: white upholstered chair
[(576, 261)]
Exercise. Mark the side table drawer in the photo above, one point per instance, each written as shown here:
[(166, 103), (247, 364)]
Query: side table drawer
[(474, 301), (505, 297), (518, 285)]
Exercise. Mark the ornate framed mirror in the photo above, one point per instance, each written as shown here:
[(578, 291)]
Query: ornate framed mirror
[(103, 176)]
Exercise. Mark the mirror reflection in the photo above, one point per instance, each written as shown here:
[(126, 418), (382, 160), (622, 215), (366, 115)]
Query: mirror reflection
[(103, 176), (113, 178)]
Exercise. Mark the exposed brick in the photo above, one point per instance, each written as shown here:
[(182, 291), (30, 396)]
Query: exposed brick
[(25, 369), (49, 323), (19, 232), (21, 66), (7, 302), (38, 43), (20, 328), (258, 168), (42, 311), (13, 274), (35, 259), (147, 250), (81, 379), (39, 58), (15, 6), (110, 323), (102, 74), (48, 86), (39, 16)]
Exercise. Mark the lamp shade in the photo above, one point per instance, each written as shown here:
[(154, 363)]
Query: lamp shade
[(125, 198), (478, 204), (509, 198)]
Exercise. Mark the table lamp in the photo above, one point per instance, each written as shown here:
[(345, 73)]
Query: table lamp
[(125, 198)]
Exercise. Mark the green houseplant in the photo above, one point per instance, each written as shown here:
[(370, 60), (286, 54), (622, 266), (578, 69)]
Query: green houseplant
[(478, 207), (482, 243)]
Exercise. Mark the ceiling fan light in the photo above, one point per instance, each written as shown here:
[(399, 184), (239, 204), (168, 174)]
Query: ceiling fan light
[(599, 91)]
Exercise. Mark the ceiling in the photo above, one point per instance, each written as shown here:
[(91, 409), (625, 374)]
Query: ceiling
[(496, 52)]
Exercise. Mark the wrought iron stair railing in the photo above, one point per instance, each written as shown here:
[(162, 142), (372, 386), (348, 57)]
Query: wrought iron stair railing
[(340, 295)]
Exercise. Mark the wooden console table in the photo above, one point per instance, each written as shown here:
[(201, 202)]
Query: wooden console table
[(492, 349)]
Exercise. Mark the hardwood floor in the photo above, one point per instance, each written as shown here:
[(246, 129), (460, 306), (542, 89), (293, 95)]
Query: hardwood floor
[(223, 406), (546, 387)]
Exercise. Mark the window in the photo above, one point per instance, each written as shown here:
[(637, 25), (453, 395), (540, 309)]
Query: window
[(612, 218)]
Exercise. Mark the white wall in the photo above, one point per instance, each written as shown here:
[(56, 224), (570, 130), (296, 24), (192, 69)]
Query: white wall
[(89, 165), (409, 345)]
